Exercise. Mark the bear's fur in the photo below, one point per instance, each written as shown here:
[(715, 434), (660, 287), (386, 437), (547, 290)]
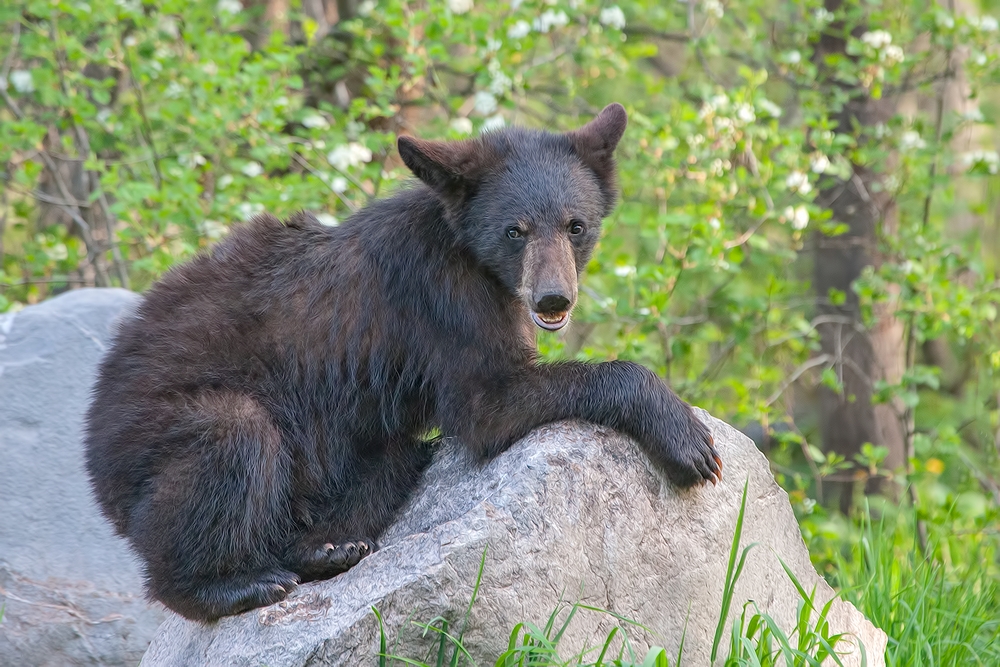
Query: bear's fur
[(258, 421)]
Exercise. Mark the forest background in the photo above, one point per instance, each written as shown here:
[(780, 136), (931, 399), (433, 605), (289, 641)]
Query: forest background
[(807, 244)]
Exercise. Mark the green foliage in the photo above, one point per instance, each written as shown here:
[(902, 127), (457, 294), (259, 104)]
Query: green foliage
[(942, 608)]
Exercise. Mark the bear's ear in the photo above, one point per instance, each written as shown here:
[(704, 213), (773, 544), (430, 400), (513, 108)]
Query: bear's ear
[(596, 141), (451, 168)]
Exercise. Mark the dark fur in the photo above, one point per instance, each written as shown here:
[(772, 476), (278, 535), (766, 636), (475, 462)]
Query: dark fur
[(257, 422)]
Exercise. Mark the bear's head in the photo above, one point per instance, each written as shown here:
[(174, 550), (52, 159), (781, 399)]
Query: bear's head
[(528, 204)]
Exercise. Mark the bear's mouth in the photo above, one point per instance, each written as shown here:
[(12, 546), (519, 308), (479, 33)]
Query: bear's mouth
[(550, 321)]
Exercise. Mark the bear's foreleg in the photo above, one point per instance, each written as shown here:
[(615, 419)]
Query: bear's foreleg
[(490, 413)]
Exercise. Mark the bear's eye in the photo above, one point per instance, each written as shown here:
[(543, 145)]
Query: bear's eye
[(576, 228), (514, 233)]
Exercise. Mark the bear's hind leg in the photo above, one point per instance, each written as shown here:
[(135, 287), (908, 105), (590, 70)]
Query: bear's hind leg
[(366, 504), (217, 597), (214, 518)]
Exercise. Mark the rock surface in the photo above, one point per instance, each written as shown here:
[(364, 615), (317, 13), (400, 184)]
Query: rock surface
[(71, 592), (572, 512)]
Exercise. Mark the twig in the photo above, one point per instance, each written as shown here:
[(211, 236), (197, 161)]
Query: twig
[(146, 131), (312, 170)]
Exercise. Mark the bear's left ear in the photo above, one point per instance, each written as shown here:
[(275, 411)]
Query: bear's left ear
[(595, 143), (597, 139), (452, 169)]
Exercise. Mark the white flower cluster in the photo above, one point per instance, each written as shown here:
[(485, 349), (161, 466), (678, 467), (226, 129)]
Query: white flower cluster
[(459, 6), (252, 169), (519, 30), (989, 159), (248, 210), (314, 121), (819, 163), (229, 7), (797, 215), (191, 160), (911, 140), (345, 156), (714, 8), (881, 44), (22, 81), (984, 23), (550, 19), (798, 182), (613, 17)]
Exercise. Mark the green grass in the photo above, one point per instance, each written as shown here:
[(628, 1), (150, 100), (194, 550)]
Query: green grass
[(756, 640), (939, 610)]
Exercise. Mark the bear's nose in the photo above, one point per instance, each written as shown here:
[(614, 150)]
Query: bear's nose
[(552, 303)]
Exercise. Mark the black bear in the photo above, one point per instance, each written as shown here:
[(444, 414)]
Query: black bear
[(257, 422)]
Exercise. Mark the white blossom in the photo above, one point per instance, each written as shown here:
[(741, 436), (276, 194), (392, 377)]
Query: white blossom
[(173, 90), (213, 229), (500, 84), (801, 218), (493, 123), (988, 24), (314, 120), (798, 182), (514, 4), (338, 184), (22, 81), (550, 19), (792, 57), (224, 181), (745, 113), (191, 160), (366, 7), (459, 6), (989, 159), (714, 8), (485, 102), (493, 45), (798, 216), (462, 125), (519, 30), (980, 59), (770, 108), (911, 140), (248, 210), (892, 55), (819, 163), (229, 6), (714, 223), (877, 39), (624, 271), (613, 17), (822, 15), (252, 169), (345, 156), (945, 20), (327, 219)]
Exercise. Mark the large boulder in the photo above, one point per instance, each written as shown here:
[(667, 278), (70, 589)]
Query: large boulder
[(70, 590), (572, 512)]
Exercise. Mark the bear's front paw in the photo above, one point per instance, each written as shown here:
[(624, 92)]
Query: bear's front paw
[(686, 451)]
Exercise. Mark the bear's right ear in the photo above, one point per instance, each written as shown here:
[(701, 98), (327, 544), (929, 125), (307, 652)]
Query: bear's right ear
[(450, 168)]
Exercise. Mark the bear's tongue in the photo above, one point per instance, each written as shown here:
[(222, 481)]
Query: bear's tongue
[(550, 321)]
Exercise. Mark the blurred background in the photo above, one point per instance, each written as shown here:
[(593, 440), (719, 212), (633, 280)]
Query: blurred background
[(807, 242)]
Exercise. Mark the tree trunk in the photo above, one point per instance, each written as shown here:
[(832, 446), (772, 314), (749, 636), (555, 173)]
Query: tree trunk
[(862, 356)]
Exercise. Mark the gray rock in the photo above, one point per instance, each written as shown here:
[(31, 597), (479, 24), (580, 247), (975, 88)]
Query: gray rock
[(572, 512), (71, 591)]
